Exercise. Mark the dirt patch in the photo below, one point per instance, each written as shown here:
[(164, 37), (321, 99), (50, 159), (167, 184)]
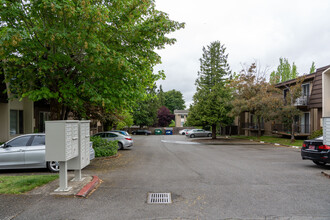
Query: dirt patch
[(105, 164)]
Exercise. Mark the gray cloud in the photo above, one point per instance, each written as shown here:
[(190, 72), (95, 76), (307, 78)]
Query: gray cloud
[(251, 30)]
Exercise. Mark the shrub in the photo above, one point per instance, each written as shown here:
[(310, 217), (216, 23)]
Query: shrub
[(316, 134), (104, 148)]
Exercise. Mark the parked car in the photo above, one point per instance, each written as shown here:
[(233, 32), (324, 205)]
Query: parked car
[(28, 151), (122, 132), (124, 142), (183, 132), (316, 151), (141, 132), (198, 133)]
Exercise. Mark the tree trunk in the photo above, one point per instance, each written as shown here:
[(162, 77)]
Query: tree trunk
[(259, 127), (292, 118), (214, 131), (55, 110), (58, 111), (292, 131)]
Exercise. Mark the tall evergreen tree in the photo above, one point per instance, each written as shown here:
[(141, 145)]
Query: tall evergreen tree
[(161, 96), (211, 100)]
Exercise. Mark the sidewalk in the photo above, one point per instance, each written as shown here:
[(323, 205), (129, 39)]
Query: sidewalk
[(235, 141), (77, 188)]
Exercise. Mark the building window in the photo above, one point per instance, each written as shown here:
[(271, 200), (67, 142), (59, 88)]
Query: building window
[(285, 92), (182, 116), (305, 90), (16, 122)]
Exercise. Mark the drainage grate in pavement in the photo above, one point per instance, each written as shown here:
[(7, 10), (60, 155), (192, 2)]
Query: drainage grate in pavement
[(159, 198)]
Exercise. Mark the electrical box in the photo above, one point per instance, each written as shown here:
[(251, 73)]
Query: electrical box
[(84, 144), (326, 130), (61, 140)]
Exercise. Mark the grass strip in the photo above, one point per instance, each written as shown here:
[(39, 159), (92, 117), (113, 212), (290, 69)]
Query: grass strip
[(272, 139), (22, 184)]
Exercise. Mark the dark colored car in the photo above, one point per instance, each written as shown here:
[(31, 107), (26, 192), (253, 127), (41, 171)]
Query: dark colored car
[(142, 132), (316, 151)]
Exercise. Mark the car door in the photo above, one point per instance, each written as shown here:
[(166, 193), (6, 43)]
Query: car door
[(199, 133), (35, 152), (12, 154), (110, 136)]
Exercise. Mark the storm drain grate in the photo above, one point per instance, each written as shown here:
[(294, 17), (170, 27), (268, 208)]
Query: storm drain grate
[(159, 198)]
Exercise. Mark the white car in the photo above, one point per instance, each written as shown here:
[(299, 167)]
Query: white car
[(198, 133), (184, 131), (124, 141)]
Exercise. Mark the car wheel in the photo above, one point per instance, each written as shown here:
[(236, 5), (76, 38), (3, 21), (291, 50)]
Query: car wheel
[(183, 133), (319, 163), (209, 135), (192, 136), (53, 166), (120, 146)]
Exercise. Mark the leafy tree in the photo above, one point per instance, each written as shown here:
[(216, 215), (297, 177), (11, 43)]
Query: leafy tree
[(313, 68), (253, 94), (164, 117), (290, 110), (284, 72), (124, 120), (82, 55), (174, 100), (211, 101), (145, 110)]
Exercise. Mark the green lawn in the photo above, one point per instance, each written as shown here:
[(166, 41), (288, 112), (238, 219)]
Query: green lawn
[(273, 139), (22, 184)]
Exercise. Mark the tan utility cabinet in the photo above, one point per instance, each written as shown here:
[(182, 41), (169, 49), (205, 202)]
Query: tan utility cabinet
[(61, 140), (83, 158)]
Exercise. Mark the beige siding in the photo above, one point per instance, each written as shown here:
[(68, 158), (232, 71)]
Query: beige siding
[(4, 119), (28, 119)]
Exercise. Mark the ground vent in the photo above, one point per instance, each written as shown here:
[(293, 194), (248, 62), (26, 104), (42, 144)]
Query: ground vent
[(159, 198)]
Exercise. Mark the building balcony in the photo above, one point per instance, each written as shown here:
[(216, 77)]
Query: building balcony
[(253, 126), (302, 101), (299, 130)]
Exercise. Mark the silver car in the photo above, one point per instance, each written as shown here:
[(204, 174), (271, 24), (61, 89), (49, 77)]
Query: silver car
[(198, 133), (28, 151), (124, 141)]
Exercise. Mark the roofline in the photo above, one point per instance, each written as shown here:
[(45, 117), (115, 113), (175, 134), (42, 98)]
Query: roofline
[(307, 77), (293, 81)]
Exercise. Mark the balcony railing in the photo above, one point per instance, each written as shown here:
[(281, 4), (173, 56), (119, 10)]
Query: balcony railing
[(298, 129), (301, 101), (252, 126)]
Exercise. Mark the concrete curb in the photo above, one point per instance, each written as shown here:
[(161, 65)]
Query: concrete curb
[(326, 173), (89, 187)]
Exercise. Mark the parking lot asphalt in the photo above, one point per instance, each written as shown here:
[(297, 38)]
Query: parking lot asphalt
[(238, 181)]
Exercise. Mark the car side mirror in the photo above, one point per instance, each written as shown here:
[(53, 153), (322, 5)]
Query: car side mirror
[(6, 145)]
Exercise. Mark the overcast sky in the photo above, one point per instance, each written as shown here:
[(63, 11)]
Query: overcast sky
[(262, 30)]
